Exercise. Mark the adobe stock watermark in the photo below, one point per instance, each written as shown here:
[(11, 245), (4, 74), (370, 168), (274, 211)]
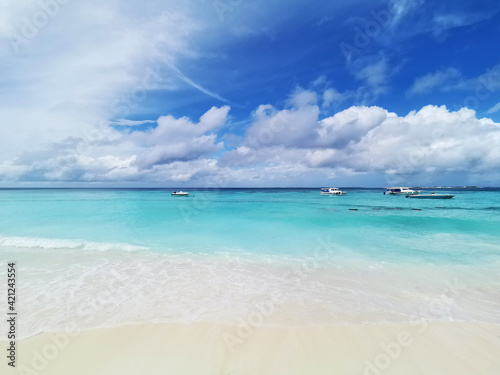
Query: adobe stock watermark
[(363, 37), (392, 350), (42, 357), (31, 26)]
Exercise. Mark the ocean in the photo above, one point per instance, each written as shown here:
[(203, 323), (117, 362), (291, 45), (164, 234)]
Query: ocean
[(89, 258)]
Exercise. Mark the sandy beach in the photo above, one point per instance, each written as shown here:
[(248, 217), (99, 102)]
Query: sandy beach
[(205, 348)]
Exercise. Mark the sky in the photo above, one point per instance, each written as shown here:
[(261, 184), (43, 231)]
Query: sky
[(240, 93)]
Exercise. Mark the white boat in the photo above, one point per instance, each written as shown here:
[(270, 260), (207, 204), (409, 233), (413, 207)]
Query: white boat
[(180, 193), (431, 196), (401, 191), (332, 191)]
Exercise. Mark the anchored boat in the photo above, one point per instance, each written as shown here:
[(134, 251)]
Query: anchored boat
[(431, 196), (180, 193), (401, 191), (332, 191)]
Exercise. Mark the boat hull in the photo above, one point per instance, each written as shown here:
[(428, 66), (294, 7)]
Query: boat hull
[(431, 196)]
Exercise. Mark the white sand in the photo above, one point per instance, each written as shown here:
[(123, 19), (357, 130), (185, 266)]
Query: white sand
[(297, 314), (202, 348)]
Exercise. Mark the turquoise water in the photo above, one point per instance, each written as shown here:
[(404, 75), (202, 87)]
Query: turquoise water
[(143, 255), (263, 221)]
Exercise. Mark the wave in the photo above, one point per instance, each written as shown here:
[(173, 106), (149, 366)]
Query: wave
[(59, 243), (87, 290)]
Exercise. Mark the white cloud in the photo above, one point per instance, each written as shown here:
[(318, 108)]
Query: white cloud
[(303, 98), (357, 140), (415, 17), (280, 144), (125, 122), (348, 126), (401, 8), (362, 139), (332, 97), (442, 23), (197, 86), (489, 80), (290, 127), (138, 155), (374, 73), (90, 63), (434, 80), (451, 79), (176, 139), (494, 109)]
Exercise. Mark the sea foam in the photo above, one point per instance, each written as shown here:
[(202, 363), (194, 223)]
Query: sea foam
[(73, 289), (58, 243)]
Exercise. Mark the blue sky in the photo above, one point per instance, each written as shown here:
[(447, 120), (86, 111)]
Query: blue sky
[(249, 93)]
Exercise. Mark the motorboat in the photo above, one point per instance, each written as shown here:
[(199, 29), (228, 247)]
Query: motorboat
[(431, 196), (180, 193), (332, 191), (401, 191)]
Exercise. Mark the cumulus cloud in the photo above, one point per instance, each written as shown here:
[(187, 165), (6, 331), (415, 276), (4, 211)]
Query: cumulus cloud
[(178, 139), (291, 143), (292, 125), (432, 140), (137, 155), (280, 144), (363, 139)]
